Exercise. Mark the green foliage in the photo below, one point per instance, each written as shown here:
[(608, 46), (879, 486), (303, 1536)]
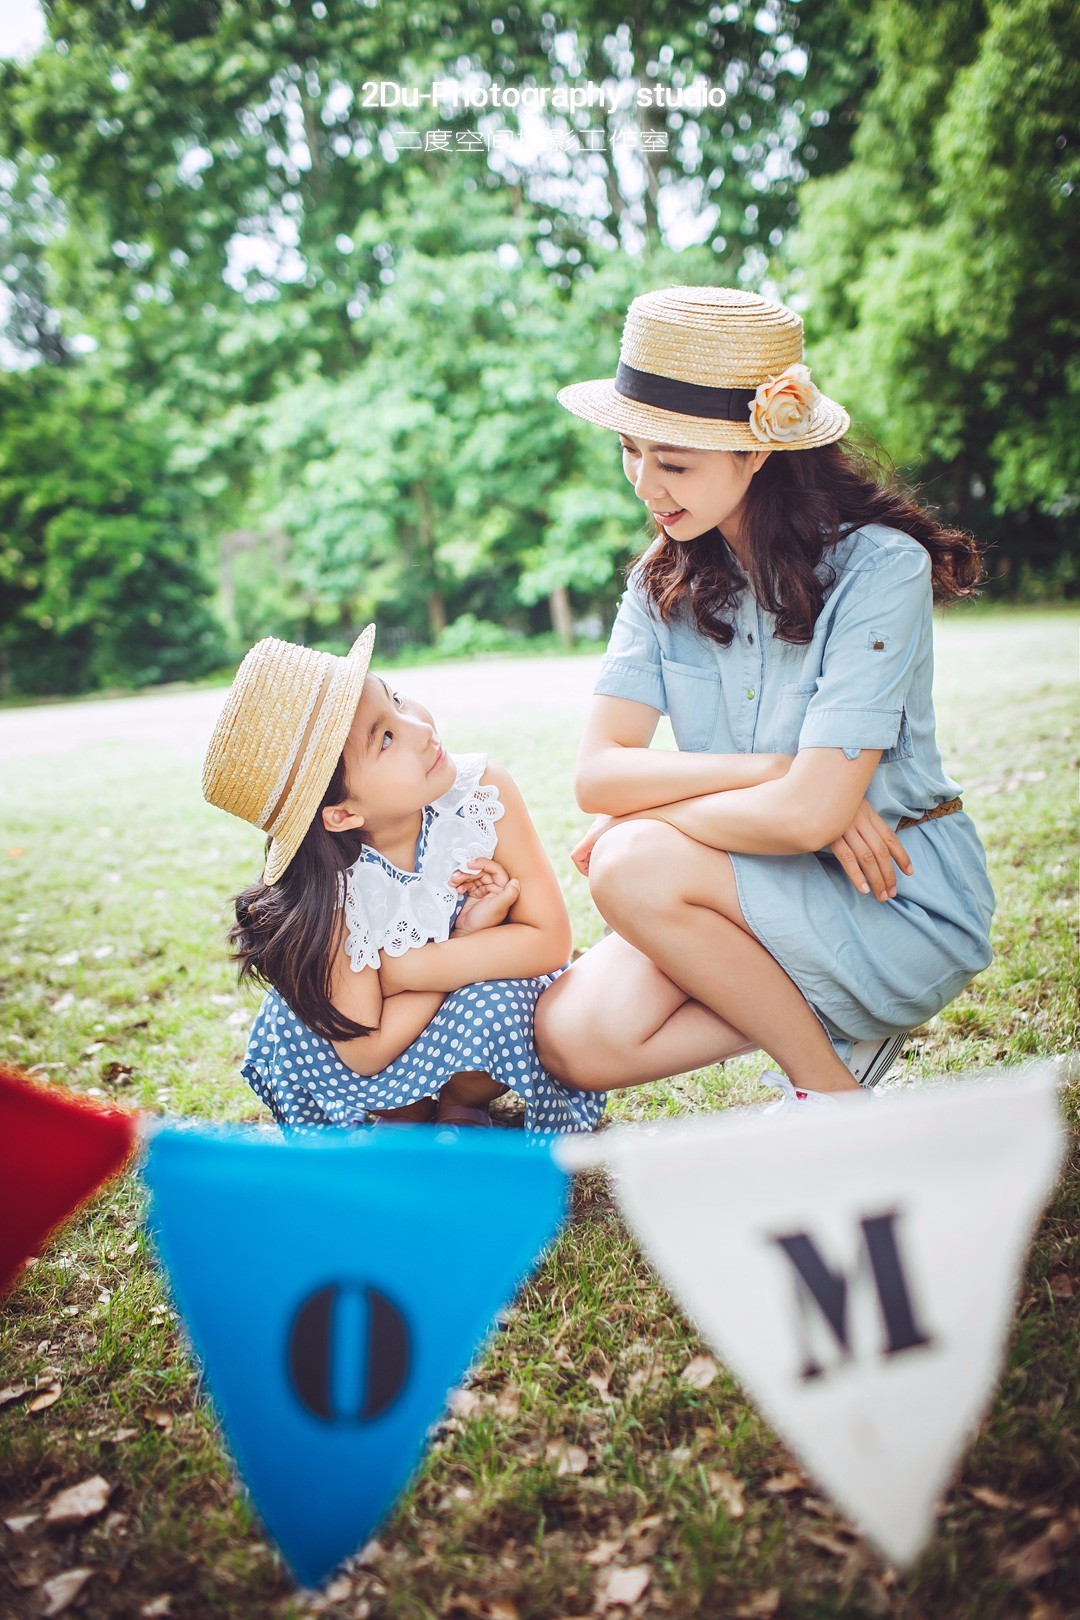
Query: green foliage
[(100, 581), (469, 635), (940, 263), (339, 361)]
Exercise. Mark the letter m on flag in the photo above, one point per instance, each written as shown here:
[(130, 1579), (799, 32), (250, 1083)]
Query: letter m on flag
[(827, 1297)]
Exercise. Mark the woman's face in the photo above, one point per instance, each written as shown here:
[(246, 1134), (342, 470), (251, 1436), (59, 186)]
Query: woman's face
[(689, 492), (394, 761)]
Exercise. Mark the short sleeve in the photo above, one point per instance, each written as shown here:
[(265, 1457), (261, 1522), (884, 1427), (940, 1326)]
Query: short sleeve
[(870, 654), (631, 666)]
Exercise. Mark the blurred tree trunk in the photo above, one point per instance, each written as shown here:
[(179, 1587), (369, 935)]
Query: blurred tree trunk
[(561, 618)]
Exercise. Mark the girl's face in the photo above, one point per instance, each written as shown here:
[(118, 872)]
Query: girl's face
[(689, 492), (394, 761)]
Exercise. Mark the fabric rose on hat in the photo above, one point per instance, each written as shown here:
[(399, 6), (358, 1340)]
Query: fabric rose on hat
[(781, 408)]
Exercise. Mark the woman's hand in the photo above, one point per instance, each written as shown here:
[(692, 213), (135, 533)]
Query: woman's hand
[(581, 852), (491, 891), (867, 852)]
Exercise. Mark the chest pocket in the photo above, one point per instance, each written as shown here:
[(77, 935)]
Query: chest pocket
[(693, 703), (783, 734)]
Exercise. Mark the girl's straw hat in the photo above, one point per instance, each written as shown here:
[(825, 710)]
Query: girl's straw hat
[(711, 368), (279, 738)]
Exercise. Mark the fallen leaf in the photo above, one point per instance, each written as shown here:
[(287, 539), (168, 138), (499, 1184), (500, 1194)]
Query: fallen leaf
[(622, 1585), (1045, 1609), (1036, 1559), (48, 1397), (568, 1459), (14, 1392), (79, 1502), (762, 1607), (1061, 1285), (62, 1590), (113, 1074), (464, 1402), (121, 1435), (157, 1606), (21, 1522), (161, 1416), (31, 1572), (989, 1498), (830, 1544), (508, 1403), (603, 1552), (700, 1372), (601, 1380), (730, 1491), (782, 1484)]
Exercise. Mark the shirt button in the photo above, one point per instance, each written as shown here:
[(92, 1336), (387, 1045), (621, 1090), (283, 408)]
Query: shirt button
[(749, 691)]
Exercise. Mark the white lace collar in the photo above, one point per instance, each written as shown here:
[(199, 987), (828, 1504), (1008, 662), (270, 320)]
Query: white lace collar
[(387, 909)]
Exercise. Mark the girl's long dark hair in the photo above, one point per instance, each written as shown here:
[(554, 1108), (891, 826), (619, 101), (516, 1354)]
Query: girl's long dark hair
[(288, 933), (798, 505)]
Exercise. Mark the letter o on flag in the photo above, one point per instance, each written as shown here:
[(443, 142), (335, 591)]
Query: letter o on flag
[(347, 1353)]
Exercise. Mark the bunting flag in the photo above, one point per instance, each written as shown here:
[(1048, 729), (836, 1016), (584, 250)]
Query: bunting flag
[(857, 1272), (335, 1290), (56, 1148)]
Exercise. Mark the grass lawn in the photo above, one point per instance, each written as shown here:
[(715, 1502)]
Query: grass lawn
[(577, 1446)]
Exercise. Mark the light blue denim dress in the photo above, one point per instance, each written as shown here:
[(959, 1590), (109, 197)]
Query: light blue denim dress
[(867, 967)]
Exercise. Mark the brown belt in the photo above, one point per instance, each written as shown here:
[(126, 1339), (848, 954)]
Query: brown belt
[(949, 808)]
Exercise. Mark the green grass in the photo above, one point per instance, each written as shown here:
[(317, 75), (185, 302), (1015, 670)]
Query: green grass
[(115, 880)]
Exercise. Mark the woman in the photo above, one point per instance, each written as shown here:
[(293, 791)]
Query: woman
[(800, 876)]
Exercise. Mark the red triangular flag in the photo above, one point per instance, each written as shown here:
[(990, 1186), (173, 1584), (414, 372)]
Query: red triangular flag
[(55, 1149)]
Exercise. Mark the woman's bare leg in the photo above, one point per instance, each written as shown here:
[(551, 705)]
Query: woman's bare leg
[(676, 899), (614, 1020)]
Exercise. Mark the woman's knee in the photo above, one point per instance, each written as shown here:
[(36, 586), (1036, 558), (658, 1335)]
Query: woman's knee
[(640, 867), (564, 1041)]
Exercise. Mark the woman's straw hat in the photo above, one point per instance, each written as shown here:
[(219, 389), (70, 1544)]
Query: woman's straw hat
[(279, 737), (711, 368)]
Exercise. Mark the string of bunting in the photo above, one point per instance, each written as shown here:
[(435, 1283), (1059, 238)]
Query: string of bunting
[(857, 1274)]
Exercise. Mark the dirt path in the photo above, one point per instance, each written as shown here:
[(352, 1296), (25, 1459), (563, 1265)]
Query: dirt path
[(182, 721)]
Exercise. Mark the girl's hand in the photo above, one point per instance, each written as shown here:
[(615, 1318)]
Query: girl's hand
[(581, 853), (492, 893), (867, 851), (479, 878)]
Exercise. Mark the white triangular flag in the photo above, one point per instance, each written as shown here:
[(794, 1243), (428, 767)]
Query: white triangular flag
[(857, 1271)]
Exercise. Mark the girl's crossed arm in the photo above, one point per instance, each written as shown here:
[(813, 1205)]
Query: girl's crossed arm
[(393, 1021), (534, 939)]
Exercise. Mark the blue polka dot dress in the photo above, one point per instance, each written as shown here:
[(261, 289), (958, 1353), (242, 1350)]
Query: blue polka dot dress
[(487, 1026)]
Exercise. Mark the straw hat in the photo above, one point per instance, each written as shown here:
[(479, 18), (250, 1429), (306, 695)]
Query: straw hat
[(279, 737), (711, 368)]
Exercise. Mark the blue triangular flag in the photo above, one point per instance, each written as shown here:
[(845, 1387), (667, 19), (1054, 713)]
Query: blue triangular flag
[(335, 1290)]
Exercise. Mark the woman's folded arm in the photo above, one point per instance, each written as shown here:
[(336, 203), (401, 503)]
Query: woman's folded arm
[(617, 772), (807, 809)]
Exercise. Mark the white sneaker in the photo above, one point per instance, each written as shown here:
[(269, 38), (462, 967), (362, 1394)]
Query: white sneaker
[(792, 1100), (871, 1061)]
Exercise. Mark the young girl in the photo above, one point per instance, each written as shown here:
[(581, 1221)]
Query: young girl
[(404, 960), (800, 877)]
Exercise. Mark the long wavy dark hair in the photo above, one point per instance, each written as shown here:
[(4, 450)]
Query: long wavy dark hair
[(287, 934), (799, 504)]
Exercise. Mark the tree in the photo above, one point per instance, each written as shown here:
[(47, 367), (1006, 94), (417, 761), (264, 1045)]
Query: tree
[(940, 266), (100, 579)]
